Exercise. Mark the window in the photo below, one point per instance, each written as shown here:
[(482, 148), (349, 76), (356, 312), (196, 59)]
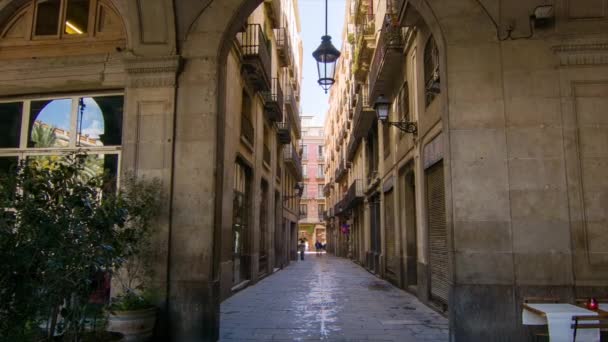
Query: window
[(320, 151), (66, 19), (305, 171), (404, 106), (303, 210), (320, 171), (321, 132), (304, 152), (77, 17), (47, 17), (431, 71), (305, 191), (247, 130), (320, 191), (55, 126), (321, 210)]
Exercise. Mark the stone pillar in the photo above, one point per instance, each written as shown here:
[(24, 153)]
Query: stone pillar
[(148, 133)]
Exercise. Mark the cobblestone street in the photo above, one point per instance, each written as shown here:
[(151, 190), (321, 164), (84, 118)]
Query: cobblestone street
[(331, 299)]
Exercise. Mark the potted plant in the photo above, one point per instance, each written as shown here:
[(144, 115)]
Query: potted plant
[(132, 312), (133, 315), (59, 228)]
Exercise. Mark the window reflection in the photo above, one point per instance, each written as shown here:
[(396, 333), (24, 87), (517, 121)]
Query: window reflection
[(100, 121), (50, 123)]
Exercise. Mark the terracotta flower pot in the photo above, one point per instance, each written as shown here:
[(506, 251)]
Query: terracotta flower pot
[(136, 326)]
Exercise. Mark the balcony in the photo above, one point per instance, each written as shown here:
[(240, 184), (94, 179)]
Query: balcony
[(341, 171), (327, 188), (283, 47), (283, 132), (255, 57), (365, 41), (273, 101), (388, 58), (340, 208), (364, 116), (292, 161), (247, 131), (351, 150), (355, 194), (274, 12), (291, 106)]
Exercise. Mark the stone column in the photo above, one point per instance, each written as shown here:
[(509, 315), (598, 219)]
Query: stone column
[(148, 139)]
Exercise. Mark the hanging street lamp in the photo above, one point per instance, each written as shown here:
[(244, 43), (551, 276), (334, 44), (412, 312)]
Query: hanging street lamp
[(326, 56)]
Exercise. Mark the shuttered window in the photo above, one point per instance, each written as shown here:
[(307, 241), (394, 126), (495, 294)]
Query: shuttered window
[(438, 247)]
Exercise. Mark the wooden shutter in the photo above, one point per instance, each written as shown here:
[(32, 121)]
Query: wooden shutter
[(438, 246)]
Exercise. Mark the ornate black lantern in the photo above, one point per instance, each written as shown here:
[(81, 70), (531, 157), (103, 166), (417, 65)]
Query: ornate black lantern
[(382, 107), (326, 56)]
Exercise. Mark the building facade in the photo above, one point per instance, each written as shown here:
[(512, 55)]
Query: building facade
[(480, 204), (312, 204), (77, 76), (513, 119)]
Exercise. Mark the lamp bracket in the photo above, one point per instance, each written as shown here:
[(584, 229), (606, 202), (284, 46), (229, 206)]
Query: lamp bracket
[(404, 126)]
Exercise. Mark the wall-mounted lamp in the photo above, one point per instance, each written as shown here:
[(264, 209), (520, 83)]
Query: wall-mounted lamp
[(382, 107)]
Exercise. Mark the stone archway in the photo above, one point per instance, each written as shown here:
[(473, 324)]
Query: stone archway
[(456, 26)]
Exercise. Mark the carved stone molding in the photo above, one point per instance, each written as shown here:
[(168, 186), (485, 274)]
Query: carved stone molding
[(582, 54), (152, 72)]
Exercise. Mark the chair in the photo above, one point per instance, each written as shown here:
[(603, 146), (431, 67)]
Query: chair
[(542, 335), (588, 322)]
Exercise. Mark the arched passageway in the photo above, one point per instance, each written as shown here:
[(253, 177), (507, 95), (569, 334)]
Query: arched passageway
[(521, 217)]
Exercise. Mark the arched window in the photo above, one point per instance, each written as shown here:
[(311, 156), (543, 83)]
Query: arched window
[(40, 24), (431, 71)]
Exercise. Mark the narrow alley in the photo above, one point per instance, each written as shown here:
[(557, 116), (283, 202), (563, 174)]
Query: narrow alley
[(330, 299)]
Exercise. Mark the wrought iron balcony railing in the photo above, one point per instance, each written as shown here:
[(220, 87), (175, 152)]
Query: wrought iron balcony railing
[(291, 106), (273, 101), (355, 194), (364, 115), (283, 46), (341, 171), (292, 160), (388, 57), (327, 189), (255, 53), (283, 132)]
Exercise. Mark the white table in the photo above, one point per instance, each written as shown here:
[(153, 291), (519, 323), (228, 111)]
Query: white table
[(559, 319)]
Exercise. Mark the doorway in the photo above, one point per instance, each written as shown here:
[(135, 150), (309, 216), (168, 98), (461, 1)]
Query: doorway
[(408, 219)]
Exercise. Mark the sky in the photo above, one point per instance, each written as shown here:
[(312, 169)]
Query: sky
[(314, 101), (58, 113)]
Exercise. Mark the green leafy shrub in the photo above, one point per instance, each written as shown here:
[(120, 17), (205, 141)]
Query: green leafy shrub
[(58, 228)]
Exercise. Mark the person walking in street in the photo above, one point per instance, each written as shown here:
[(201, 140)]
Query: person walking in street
[(301, 248), (318, 247)]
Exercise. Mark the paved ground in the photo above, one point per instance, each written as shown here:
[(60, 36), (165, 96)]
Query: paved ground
[(330, 299)]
